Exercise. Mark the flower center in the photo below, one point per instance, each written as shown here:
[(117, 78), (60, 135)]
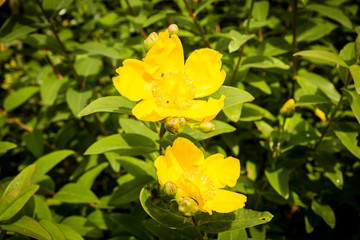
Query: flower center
[(173, 90), (205, 184)]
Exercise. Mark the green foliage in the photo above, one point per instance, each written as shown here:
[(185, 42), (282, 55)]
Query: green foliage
[(75, 164)]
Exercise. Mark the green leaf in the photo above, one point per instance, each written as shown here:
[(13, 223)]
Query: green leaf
[(354, 100), (96, 48), (52, 7), (332, 168), (38, 40), (129, 191), (48, 161), (331, 12), (233, 235), (258, 82), (137, 167), (220, 128), (237, 220), (162, 214), (307, 100), (348, 137), (70, 233), (234, 96), (6, 146), (14, 201), (279, 180), (75, 193), (253, 112), (88, 178), (21, 180), (28, 227), (322, 55), (355, 73), (49, 90), (53, 229), (115, 104), (170, 234), (88, 67), (263, 62), (260, 10), (132, 224), (19, 97), (154, 19), (314, 29), (202, 6), (325, 212), (34, 142), (77, 100), (126, 144), (15, 27), (83, 226), (238, 40), (135, 126), (233, 112)]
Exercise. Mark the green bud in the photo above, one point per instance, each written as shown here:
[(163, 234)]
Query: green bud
[(150, 40), (206, 127), (173, 29), (174, 125), (357, 48), (188, 206), (170, 189)]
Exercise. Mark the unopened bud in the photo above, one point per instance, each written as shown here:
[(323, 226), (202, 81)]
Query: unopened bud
[(175, 125), (286, 110), (320, 114), (173, 29), (170, 189), (188, 206), (206, 127), (150, 40)]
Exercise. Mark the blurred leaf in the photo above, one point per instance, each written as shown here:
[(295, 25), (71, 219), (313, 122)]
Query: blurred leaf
[(332, 169), (51, 7), (21, 180), (154, 19), (279, 180), (314, 29), (34, 142), (307, 100), (135, 126), (19, 97), (170, 234), (129, 191), (6, 146), (83, 226), (331, 12), (88, 178), (355, 73), (15, 27), (77, 100), (237, 220), (325, 212), (14, 201), (233, 112), (42, 210), (48, 161), (96, 48), (322, 55), (202, 6), (29, 227), (75, 193), (220, 128), (53, 229), (70, 233), (273, 47), (348, 138), (44, 41), (232, 235), (238, 40), (131, 224), (263, 62), (354, 100), (258, 82), (253, 112), (116, 104), (87, 67), (260, 10), (49, 90), (126, 144), (233, 95), (137, 167)]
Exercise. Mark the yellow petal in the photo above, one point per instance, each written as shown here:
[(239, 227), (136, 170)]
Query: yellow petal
[(204, 67), (146, 111), (165, 55), (167, 170), (222, 171), (131, 82), (189, 189), (225, 201), (185, 153), (204, 110)]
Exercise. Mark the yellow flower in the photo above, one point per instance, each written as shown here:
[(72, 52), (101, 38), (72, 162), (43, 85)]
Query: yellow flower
[(167, 86), (320, 114), (199, 178)]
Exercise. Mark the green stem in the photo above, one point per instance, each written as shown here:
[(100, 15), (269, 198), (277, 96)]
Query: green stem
[(142, 31), (294, 25), (243, 46), (161, 134), (278, 147), (333, 114), (197, 229)]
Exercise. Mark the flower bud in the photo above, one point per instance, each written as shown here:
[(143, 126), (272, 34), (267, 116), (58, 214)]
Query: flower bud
[(206, 127), (150, 40), (286, 110), (320, 114), (175, 125), (170, 189), (173, 29), (188, 206)]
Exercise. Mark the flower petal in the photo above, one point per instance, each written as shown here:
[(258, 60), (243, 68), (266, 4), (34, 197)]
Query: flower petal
[(165, 55), (203, 67), (204, 110), (225, 201), (131, 82), (222, 171), (190, 189), (185, 153), (146, 111), (167, 170)]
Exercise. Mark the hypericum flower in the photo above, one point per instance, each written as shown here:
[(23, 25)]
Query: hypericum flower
[(167, 86), (199, 178)]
